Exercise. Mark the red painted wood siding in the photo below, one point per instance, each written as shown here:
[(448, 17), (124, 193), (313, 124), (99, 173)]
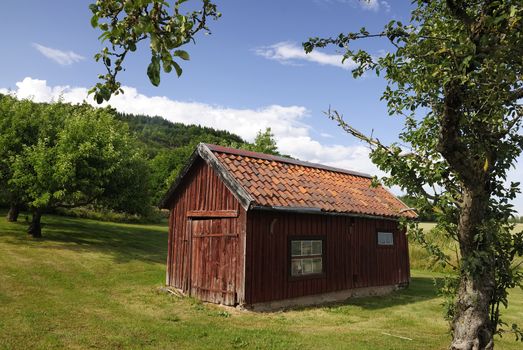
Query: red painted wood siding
[(352, 258), (202, 190)]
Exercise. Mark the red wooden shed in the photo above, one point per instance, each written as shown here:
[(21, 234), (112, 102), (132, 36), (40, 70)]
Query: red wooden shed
[(264, 231)]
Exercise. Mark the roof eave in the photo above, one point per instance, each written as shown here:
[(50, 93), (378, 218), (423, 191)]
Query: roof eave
[(230, 181), (317, 211), (406, 208)]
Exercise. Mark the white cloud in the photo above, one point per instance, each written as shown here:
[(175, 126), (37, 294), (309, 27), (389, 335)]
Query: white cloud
[(368, 5), (372, 5), (346, 157), (291, 53), (375, 5), (63, 58), (288, 123), (386, 6)]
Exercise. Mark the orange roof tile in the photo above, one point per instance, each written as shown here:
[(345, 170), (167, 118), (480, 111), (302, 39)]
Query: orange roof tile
[(282, 182)]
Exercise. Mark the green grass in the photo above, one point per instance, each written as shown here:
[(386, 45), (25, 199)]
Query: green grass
[(421, 259), (94, 285)]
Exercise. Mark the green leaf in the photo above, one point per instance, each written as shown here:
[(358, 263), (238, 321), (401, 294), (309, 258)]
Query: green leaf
[(177, 68), (153, 71), (182, 54), (99, 98), (167, 68), (94, 21)]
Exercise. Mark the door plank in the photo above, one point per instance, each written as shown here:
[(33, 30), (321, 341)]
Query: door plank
[(212, 213)]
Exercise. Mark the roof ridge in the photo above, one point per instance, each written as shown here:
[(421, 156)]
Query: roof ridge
[(270, 157)]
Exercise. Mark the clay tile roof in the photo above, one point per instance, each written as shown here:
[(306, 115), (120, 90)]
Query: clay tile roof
[(278, 182)]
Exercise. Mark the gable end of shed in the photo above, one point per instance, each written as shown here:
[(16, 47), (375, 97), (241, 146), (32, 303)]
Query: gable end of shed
[(203, 152)]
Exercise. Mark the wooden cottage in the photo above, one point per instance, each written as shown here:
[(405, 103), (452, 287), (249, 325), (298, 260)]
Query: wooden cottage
[(263, 231)]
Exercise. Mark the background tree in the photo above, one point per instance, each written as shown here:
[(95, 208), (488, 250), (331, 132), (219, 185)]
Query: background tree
[(166, 166), (82, 156), (125, 24), (455, 75), (425, 212), (165, 147), (18, 127), (264, 142)]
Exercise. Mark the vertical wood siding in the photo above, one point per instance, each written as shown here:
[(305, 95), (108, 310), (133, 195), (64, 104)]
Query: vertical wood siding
[(206, 256), (352, 257), (202, 190)]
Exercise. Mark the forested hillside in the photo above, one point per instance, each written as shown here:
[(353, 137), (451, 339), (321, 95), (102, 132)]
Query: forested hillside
[(169, 145), (158, 133)]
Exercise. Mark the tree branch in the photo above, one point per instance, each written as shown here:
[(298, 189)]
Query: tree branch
[(515, 95), (374, 142), (449, 144), (457, 9)]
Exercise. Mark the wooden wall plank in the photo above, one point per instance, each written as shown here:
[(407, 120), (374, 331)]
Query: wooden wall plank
[(202, 195), (352, 258), (212, 213)]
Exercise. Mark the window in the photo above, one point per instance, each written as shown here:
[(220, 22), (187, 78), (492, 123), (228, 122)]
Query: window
[(385, 238), (306, 257)]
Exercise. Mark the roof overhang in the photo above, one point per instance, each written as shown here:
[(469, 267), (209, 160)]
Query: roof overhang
[(318, 211)]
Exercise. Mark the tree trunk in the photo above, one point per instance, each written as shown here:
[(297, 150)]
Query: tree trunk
[(471, 326), (12, 215), (35, 228)]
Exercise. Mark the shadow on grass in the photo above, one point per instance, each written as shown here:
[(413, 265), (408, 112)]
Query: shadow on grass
[(125, 242), (420, 289)]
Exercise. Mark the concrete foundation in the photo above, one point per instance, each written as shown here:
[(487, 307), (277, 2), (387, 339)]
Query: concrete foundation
[(318, 299)]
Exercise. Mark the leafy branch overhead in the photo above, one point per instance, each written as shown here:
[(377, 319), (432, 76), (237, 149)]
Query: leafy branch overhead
[(126, 23), (455, 76)]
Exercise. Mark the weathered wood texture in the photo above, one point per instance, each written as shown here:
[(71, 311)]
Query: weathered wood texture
[(205, 253), (212, 213), (214, 260), (220, 253), (352, 257)]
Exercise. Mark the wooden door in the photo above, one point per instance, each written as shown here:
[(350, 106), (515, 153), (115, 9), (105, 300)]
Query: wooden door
[(213, 260)]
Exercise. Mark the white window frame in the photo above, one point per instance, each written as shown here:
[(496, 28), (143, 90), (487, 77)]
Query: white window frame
[(304, 258)]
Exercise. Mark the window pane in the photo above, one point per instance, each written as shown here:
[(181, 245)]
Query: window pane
[(316, 247), (306, 247), (385, 238), (307, 266), (306, 257), (317, 265), (296, 248), (296, 267)]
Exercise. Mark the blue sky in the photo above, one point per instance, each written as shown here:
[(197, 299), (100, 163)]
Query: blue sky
[(249, 74)]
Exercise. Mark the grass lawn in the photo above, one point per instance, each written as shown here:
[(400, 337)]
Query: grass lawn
[(90, 284), (420, 259)]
